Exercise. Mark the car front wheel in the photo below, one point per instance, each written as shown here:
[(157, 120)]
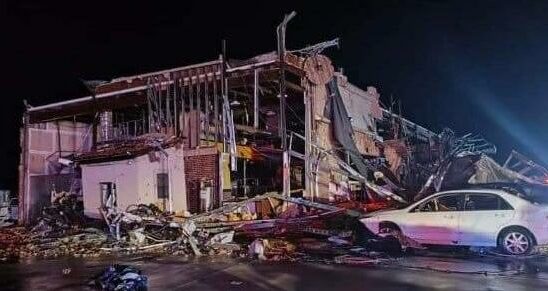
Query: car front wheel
[(388, 229), (516, 241)]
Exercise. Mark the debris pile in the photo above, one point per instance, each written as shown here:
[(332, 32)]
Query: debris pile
[(63, 216), (120, 278), (267, 227)]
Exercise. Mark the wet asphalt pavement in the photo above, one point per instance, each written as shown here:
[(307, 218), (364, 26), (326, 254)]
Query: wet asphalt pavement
[(432, 272)]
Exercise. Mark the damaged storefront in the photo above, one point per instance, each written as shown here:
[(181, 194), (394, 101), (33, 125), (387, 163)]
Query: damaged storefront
[(218, 127), (270, 156)]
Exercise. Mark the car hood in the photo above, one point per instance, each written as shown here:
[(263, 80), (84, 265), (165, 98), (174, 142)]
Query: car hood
[(384, 213)]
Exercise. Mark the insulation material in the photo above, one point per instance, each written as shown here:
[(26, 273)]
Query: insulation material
[(489, 171), (227, 183), (323, 135), (244, 152)]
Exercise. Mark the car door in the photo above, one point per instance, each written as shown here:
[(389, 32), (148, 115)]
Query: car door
[(435, 221), (483, 216)]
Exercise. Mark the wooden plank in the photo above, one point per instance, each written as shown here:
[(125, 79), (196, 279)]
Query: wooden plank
[(216, 109), (206, 109)]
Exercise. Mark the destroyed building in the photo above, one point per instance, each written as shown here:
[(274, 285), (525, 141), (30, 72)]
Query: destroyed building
[(192, 138)]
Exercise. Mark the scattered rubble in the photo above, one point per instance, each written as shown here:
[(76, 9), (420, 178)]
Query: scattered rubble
[(12, 240), (64, 215), (121, 278), (267, 227)]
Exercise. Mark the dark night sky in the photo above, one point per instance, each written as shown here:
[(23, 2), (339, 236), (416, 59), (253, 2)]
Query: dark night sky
[(475, 66)]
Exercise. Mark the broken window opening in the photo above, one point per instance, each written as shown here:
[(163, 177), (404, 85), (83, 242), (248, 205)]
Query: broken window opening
[(162, 182), (108, 194)]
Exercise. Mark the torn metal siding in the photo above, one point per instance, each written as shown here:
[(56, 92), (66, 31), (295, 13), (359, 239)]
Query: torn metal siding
[(362, 106), (363, 134), (342, 128)]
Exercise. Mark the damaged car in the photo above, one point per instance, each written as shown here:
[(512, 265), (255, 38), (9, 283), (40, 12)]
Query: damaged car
[(471, 217)]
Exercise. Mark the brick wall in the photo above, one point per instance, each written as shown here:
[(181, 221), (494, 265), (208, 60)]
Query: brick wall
[(201, 163)]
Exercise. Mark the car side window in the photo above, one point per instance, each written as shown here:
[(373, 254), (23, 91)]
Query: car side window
[(483, 202), (503, 205), (428, 206), (450, 202)]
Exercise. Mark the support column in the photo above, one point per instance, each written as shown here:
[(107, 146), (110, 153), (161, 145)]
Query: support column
[(282, 95), (245, 176), (308, 143), (216, 108), (256, 99), (24, 173)]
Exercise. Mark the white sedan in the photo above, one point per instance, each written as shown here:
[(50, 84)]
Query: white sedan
[(483, 217)]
